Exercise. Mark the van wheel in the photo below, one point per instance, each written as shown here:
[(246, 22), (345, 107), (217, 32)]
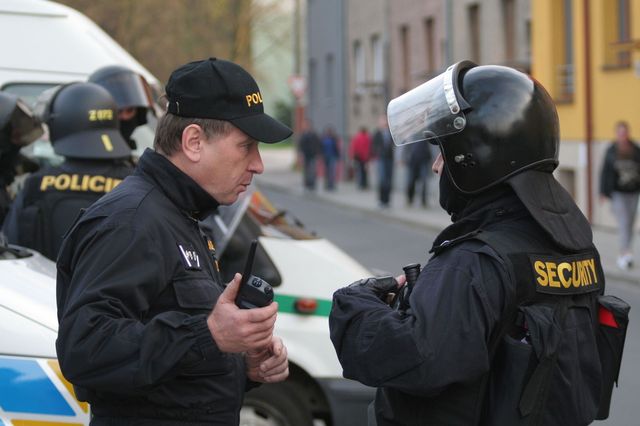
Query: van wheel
[(274, 405)]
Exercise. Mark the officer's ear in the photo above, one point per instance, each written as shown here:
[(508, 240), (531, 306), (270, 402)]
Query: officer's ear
[(192, 139)]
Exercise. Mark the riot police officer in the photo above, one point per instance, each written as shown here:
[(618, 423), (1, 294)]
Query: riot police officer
[(499, 328), (132, 94), (83, 128), (18, 128)]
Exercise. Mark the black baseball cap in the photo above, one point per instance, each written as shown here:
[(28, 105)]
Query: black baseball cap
[(219, 89)]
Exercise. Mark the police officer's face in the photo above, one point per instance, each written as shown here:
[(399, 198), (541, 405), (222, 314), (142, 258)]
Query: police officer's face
[(227, 165), (438, 165)]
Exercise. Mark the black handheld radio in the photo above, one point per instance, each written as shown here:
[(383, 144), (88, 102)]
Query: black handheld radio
[(401, 300), (254, 292)]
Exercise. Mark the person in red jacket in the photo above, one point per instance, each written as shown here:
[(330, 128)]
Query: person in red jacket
[(360, 152)]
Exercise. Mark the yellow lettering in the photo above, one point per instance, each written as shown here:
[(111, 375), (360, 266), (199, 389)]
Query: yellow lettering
[(576, 274), (74, 183), (100, 114), (248, 98), (259, 96), (96, 183), (592, 265), (62, 182), (564, 266), (255, 98), (584, 272), (106, 141), (543, 280), (47, 181), (85, 183), (551, 270)]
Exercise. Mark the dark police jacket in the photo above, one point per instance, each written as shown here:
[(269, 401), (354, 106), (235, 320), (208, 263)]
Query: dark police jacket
[(448, 360), (52, 198), (136, 282)]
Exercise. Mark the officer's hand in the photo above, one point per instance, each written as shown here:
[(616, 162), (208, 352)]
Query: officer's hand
[(268, 365), (381, 286), (240, 330)]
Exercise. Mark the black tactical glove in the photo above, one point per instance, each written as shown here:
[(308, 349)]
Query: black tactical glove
[(381, 286)]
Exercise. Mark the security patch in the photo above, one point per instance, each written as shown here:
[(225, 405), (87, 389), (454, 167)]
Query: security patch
[(190, 258), (573, 274)]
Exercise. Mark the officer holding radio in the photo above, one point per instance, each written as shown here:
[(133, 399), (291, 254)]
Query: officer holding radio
[(500, 327), (148, 332), (83, 128)]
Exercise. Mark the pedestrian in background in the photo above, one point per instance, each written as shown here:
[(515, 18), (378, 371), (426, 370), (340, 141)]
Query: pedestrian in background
[(417, 158), (620, 183), (360, 152), (383, 151), (309, 147), (330, 155)]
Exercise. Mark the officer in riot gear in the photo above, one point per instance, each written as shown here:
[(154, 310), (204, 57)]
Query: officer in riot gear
[(18, 128), (82, 122), (500, 324), (132, 94)]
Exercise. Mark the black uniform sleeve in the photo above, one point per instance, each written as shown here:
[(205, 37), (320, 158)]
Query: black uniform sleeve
[(441, 340), (102, 343)]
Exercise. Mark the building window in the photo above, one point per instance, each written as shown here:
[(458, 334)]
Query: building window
[(358, 66), (377, 53), (404, 59), (329, 75), (509, 20), (473, 12), (430, 45), (564, 85), (617, 21)]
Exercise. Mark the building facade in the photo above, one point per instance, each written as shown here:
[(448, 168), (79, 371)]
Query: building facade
[(587, 55), (367, 62), (326, 82)]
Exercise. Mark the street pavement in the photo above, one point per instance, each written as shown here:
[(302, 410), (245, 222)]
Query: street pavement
[(281, 175)]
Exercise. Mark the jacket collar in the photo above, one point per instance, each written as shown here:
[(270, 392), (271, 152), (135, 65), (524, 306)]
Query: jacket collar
[(179, 187), (481, 212)]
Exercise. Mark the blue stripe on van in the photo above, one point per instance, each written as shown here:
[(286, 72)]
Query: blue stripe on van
[(25, 388)]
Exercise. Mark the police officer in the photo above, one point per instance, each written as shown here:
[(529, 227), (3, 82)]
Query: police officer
[(148, 332), (83, 128), (18, 128), (132, 95), (499, 328)]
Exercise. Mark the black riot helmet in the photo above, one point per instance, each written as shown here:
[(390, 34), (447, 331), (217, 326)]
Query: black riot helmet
[(82, 122), (491, 122), (130, 90), (18, 126)]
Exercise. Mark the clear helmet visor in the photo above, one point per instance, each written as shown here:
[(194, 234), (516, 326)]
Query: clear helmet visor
[(429, 111)]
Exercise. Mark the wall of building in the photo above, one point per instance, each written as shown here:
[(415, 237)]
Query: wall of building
[(367, 99), (615, 91), (326, 77)]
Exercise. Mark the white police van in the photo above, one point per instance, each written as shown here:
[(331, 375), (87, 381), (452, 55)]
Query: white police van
[(46, 44)]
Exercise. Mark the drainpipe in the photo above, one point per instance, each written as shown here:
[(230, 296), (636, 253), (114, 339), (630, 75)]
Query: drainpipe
[(588, 107), (448, 11)]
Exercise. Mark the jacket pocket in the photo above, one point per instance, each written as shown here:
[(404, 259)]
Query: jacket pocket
[(196, 293), (513, 363), (613, 318)]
